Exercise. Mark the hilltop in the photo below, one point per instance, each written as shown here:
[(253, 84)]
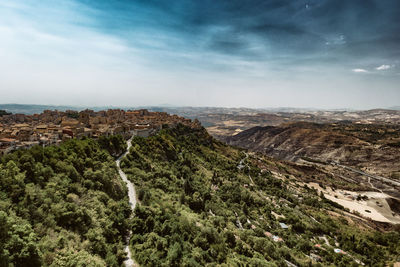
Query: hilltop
[(50, 127)]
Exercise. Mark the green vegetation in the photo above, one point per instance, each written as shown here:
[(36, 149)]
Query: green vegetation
[(115, 144), (66, 206), (72, 114), (63, 205), (4, 112), (197, 208)]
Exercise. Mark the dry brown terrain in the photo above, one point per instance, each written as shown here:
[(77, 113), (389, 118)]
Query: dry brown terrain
[(225, 122), (371, 148), (371, 208)]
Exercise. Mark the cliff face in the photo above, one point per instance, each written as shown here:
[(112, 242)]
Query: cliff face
[(349, 144)]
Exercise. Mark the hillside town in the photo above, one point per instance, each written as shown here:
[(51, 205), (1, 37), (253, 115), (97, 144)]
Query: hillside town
[(53, 127)]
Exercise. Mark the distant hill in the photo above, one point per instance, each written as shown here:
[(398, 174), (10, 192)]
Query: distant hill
[(361, 145), (36, 109), (32, 109)]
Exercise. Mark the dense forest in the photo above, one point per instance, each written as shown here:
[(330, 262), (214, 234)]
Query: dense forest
[(63, 205), (205, 203)]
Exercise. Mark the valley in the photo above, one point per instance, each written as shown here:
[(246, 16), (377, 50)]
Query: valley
[(361, 160), (366, 151)]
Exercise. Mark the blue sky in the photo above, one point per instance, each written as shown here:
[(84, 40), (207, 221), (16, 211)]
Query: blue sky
[(315, 53)]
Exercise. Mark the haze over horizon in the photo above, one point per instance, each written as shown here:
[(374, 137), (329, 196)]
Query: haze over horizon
[(35, 108), (317, 53)]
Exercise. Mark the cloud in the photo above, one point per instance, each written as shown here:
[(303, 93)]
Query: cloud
[(138, 52), (360, 70), (336, 40), (384, 67)]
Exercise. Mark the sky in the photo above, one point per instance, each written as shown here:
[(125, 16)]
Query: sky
[(234, 53)]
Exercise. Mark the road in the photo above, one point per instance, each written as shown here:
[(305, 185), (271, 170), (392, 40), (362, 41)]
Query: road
[(129, 262), (376, 177)]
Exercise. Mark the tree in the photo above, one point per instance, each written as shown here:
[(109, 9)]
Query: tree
[(18, 242), (174, 254)]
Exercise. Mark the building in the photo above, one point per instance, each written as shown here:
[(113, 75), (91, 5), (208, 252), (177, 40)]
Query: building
[(7, 145), (42, 128), (52, 127)]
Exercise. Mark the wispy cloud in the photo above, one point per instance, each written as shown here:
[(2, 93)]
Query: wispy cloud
[(383, 67), (360, 70), (198, 52)]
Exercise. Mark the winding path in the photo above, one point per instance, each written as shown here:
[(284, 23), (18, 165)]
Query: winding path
[(129, 262)]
